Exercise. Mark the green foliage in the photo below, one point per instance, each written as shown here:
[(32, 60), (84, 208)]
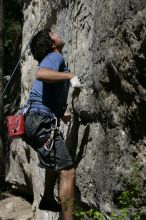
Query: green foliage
[(123, 214), (96, 215), (13, 22), (130, 197), (13, 29), (90, 214), (12, 34), (120, 216), (13, 10)]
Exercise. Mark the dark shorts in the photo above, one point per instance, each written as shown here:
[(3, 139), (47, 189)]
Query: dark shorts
[(38, 129)]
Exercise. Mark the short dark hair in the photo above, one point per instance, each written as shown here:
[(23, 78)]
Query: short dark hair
[(41, 45)]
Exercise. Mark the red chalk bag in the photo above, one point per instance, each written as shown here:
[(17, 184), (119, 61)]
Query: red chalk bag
[(16, 125)]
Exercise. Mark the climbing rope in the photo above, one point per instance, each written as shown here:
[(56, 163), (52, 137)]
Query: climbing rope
[(68, 35), (14, 71)]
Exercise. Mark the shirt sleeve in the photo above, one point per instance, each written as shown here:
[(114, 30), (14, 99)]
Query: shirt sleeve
[(52, 61)]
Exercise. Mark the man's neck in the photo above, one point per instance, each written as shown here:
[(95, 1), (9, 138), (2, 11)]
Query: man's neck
[(57, 50)]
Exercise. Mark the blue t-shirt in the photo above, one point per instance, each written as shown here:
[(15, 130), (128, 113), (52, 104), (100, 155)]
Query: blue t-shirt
[(50, 97)]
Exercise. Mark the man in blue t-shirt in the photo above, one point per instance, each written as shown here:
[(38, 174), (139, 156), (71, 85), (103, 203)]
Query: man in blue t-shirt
[(47, 101)]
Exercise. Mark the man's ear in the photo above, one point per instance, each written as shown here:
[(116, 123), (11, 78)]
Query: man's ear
[(53, 46)]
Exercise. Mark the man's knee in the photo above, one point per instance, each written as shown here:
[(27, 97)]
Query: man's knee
[(70, 173)]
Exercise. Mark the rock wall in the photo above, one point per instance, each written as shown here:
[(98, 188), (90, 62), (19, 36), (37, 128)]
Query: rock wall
[(106, 48), (119, 65)]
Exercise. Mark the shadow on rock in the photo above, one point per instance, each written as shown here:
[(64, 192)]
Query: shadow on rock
[(80, 206)]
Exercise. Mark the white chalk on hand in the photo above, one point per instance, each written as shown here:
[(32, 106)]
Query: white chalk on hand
[(75, 83)]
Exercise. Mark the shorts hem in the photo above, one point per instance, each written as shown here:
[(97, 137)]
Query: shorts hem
[(57, 168)]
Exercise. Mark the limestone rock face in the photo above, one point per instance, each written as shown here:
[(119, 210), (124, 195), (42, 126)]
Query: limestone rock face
[(12, 207), (119, 65), (106, 48)]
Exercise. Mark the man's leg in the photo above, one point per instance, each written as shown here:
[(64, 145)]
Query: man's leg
[(50, 181), (48, 201), (66, 192)]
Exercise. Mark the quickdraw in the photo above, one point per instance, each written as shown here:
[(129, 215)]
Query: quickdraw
[(49, 144)]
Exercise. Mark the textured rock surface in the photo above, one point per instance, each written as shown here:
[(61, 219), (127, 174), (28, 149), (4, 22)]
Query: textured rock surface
[(12, 207), (119, 65), (106, 41)]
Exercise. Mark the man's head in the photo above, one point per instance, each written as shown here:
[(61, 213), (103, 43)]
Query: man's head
[(58, 42), (45, 42)]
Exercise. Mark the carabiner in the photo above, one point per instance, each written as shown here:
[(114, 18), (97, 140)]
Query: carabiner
[(55, 124)]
